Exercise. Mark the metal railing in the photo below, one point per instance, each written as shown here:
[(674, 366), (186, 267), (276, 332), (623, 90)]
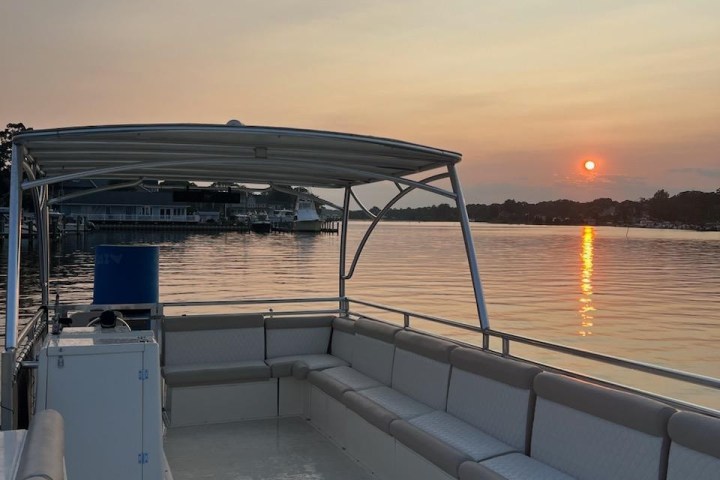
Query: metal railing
[(508, 339), (33, 333), (28, 341)]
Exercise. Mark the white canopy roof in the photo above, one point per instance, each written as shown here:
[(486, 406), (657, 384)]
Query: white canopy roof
[(225, 153)]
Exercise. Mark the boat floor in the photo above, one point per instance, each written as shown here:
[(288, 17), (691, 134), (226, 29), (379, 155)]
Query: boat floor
[(288, 448)]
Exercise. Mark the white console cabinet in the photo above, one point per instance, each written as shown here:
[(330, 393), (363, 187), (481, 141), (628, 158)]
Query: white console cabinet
[(106, 385)]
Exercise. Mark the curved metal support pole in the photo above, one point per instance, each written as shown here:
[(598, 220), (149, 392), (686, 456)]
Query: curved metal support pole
[(42, 220), (469, 248), (45, 244), (343, 249), (360, 204), (379, 217)]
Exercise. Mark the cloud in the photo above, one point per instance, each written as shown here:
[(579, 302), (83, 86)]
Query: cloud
[(703, 172)]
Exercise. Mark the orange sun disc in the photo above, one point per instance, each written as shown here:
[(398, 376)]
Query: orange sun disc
[(589, 165)]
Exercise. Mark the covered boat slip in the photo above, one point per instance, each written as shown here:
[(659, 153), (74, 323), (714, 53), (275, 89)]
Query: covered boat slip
[(320, 386)]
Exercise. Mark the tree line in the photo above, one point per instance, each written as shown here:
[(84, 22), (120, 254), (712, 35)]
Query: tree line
[(691, 208)]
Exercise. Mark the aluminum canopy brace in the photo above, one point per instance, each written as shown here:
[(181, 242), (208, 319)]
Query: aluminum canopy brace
[(469, 248)]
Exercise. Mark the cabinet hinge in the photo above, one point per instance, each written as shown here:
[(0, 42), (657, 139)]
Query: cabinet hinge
[(142, 457), (143, 374)]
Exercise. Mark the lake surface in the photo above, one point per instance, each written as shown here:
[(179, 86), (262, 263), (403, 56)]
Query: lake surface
[(648, 295)]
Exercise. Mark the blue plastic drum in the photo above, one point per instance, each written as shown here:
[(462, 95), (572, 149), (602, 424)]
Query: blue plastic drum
[(126, 274)]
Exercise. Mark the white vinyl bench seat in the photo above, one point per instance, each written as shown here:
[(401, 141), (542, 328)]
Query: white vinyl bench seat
[(588, 432), (514, 465), (419, 376), (695, 447), (369, 347), (448, 433), (295, 346), (299, 366), (401, 405), (214, 369), (346, 376), (210, 349), (489, 402)]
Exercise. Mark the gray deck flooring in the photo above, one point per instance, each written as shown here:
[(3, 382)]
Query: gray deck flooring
[(271, 449)]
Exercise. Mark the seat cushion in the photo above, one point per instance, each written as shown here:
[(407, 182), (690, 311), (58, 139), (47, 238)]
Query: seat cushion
[(215, 373), (514, 466), (352, 378), (287, 336), (374, 349), (300, 365), (428, 446), (394, 401), (421, 368), (328, 384), (460, 435), (373, 413), (695, 449)]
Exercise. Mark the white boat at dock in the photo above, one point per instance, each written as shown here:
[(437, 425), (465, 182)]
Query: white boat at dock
[(306, 216), (331, 386)]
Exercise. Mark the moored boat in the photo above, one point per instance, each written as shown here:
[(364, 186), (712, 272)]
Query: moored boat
[(260, 223), (306, 216)]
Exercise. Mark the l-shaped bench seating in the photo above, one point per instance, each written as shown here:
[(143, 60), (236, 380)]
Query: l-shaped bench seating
[(408, 405)]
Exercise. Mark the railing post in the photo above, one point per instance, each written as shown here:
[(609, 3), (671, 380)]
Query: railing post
[(14, 242), (469, 248), (7, 395)]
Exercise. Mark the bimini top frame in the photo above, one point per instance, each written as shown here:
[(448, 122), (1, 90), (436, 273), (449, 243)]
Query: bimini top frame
[(222, 153), (278, 157)]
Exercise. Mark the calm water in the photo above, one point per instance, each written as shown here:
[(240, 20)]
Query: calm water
[(649, 295)]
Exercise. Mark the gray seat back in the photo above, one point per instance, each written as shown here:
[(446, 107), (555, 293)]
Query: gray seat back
[(44, 449), (288, 336), (493, 394), (205, 339), (374, 349), (593, 432), (421, 368), (342, 344), (695, 447)]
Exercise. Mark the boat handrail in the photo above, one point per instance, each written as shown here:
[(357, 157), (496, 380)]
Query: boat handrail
[(506, 338), (31, 332), (32, 325), (251, 301)]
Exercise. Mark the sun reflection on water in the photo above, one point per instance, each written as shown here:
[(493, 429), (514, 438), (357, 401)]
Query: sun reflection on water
[(587, 310)]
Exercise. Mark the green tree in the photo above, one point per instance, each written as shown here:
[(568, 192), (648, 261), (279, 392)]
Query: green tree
[(660, 206), (6, 137)]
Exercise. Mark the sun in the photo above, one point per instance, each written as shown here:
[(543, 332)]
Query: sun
[(589, 165)]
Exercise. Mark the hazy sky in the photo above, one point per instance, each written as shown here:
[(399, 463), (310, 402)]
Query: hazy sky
[(524, 89)]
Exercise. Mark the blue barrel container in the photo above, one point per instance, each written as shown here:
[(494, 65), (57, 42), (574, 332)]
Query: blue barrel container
[(126, 274)]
